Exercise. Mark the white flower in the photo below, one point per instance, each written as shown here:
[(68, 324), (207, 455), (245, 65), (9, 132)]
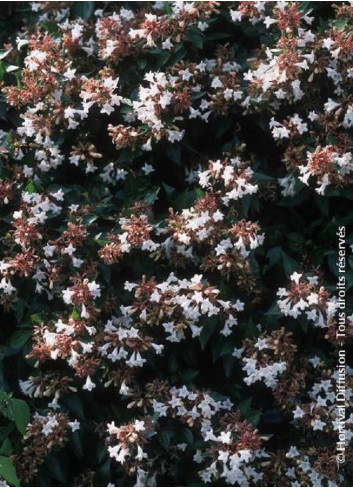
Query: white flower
[(295, 277), (330, 105), (139, 426), (69, 250), (147, 169), (261, 344), (218, 216), (21, 42), (167, 44), (58, 195), (49, 250), (216, 82), (94, 288), (74, 425), (47, 429), (225, 437), (70, 74), (318, 425), (293, 452), (89, 385), (280, 132), (315, 361), (129, 286), (77, 262), (235, 15), (238, 352), (107, 108), (298, 413), (67, 296), (268, 21)]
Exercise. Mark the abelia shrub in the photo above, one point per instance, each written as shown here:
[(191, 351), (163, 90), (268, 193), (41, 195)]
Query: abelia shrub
[(174, 181)]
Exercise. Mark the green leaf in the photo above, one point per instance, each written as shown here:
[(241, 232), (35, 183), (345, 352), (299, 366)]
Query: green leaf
[(246, 202), (6, 447), (251, 415), (8, 471), (31, 187), (36, 319), (89, 219), (195, 37), (151, 197), (228, 364), (55, 468), (163, 58), (75, 314), (4, 53), (50, 27), (83, 9), (189, 374), (332, 262), (142, 63), (174, 153), (20, 307), (20, 413), (274, 257), (208, 328), (341, 23), (75, 404), (103, 475), (19, 338), (289, 264), (186, 436), (223, 127), (170, 191), (274, 311), (221, 346), (165, 438), (217, 35), (76, 444), (167, 8)]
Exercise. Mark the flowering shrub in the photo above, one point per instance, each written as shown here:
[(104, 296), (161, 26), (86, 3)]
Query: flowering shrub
[(173, 180)]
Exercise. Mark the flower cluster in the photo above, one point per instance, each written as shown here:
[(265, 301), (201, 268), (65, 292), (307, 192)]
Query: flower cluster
[(54, 427), (208, 233), (307, 296), (166, 169), (288, 72), (267, 358), (178, 306), (226, 443)]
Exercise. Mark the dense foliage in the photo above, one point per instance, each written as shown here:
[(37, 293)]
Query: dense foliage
[(175, 178)]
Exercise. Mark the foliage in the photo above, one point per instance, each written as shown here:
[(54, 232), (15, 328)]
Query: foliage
[(175, 181)]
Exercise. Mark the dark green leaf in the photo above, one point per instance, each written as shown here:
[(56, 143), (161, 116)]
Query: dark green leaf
[(8, 471), (83, 9), (20, 414)]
